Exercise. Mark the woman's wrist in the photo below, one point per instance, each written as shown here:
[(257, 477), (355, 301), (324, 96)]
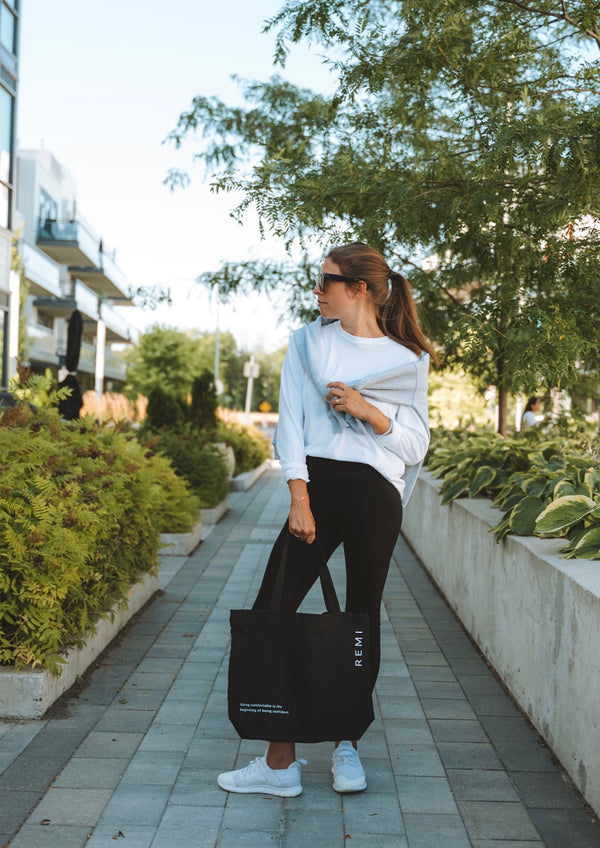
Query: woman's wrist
[(298, 492), (380, 424)]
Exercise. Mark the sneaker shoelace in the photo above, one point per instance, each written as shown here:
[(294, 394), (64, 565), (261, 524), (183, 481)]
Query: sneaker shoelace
[(251, 766), (343, 758)]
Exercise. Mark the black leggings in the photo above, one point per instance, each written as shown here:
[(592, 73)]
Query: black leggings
[(353, 505)]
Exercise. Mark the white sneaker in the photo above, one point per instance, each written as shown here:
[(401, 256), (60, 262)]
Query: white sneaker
[(259, 777), (348, 773)]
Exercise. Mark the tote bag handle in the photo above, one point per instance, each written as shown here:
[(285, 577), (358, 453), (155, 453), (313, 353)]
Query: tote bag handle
[(329, 595)]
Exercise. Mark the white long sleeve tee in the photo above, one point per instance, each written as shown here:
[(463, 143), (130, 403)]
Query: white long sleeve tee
[(306, 428)]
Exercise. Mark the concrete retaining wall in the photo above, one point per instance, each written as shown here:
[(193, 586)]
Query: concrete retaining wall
[(535, 616), (247, 479), (212, 516), (181, 544)]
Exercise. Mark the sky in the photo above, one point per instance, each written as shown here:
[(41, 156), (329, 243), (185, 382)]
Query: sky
[(101, 85)]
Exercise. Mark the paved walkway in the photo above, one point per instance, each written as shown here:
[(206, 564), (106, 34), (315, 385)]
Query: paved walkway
[(131, 759)]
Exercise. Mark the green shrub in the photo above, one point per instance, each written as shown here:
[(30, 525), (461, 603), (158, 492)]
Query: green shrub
[(203, 406), (164, 410), (179, 509), (77, 528), (199, 462), (250, 446), (546, 483)]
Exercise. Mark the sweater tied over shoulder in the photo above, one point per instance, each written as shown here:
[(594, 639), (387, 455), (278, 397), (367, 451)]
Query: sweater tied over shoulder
[(404, 385)]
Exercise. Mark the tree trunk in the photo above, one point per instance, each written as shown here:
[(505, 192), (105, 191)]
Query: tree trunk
[(502, 409)]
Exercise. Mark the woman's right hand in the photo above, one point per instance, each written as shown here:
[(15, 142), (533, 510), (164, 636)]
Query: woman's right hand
[(301, 521)]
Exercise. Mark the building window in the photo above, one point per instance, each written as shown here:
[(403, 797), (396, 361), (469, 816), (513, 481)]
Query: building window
[(6, 123), (8, 28)]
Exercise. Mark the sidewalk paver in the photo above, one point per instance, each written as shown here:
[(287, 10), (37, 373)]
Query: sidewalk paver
[(132, 757)]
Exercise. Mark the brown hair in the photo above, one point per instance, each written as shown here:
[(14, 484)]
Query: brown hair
[(397, 312)]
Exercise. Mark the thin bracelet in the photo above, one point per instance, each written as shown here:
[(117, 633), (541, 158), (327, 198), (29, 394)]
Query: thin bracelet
[(389, 429), (298, 500)]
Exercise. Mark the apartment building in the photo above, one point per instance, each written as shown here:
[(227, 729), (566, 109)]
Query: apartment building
[(9, 291), (68, 267)]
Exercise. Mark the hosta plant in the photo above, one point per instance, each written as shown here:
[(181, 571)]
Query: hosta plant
[(543, 485)]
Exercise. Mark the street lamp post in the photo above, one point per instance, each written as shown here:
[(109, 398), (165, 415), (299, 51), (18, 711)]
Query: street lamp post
[(251, 371)]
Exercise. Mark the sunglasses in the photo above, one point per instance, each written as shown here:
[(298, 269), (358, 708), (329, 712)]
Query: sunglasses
[(323, 279)]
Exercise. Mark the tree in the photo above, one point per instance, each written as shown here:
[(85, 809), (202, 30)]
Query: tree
[(203, 406), (460, 133), (171, 359)]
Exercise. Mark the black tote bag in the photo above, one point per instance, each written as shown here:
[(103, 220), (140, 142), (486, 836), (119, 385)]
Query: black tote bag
[(300, 677)]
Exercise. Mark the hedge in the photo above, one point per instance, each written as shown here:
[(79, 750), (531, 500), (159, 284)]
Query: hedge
[(250, 446), (78, 510)]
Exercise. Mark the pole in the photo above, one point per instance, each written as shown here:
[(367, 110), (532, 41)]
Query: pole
[(249, 388), (216, 368), (100, 355)]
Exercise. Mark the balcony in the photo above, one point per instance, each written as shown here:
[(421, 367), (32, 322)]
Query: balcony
[(106, 279), (41, 272), (42, 352), (87, 302), (117, 328), (68, 242), (42, 346), (73, 244), (115, 367)]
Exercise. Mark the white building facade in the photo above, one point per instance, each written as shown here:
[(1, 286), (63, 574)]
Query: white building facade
[(67, 267), (9, 289)]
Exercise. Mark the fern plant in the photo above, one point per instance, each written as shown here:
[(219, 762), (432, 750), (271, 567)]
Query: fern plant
[(78, 507)]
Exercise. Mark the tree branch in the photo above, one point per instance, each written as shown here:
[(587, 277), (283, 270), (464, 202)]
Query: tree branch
[(559, 16)]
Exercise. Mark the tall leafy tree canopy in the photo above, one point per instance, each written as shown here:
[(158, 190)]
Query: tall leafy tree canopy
[(463, 140), (172, 360)]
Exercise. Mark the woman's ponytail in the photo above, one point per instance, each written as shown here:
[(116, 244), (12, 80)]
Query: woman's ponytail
[(399, 319)]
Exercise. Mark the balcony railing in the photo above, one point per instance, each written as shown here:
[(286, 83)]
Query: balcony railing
[(115, 367), (68, 242), (74, 244), (41, 345), (42, 272)]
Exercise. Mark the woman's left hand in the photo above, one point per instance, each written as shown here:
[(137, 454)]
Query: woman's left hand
[(344, 399)]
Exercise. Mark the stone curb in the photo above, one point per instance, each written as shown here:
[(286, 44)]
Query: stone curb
[(29, 693), (243, 482), (181, 544), (212, 516)]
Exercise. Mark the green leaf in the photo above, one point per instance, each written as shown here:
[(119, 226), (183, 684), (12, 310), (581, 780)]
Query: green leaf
[(588, 546), (509, 500), (455, 490), (592, 478), (535, 485), (562, 489), (485, 475), (501, 529), (563, 513), (525, 514)]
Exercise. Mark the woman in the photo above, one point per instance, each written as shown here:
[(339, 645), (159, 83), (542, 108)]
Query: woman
[(352, 434), (530, 419)]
